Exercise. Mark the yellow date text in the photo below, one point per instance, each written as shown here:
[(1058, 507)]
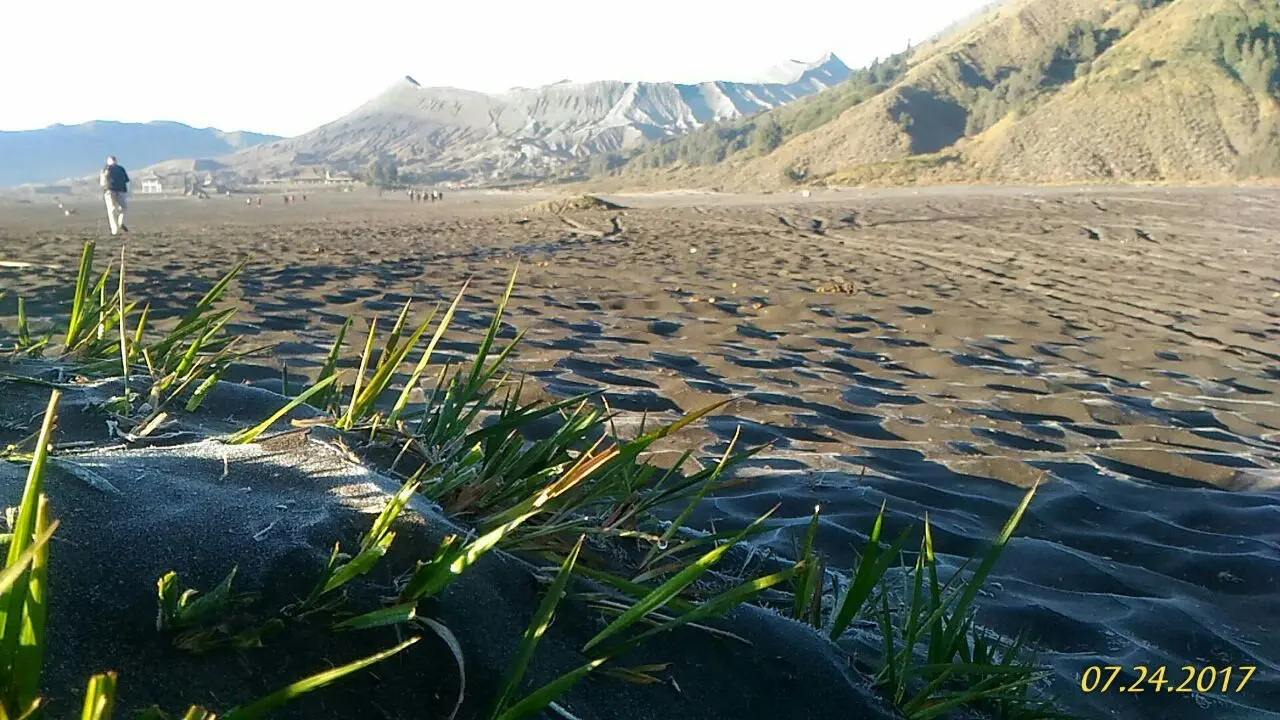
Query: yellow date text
[(1160, 679)]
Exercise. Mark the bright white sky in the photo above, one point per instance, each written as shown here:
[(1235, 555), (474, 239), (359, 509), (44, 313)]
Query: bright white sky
[(287, 66)]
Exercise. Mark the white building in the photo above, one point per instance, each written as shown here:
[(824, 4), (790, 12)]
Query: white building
[(150, 185)]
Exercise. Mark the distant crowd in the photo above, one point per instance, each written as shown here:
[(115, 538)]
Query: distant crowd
[(424, 195)]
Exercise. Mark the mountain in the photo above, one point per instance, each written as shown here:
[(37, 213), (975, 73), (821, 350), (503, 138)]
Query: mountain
[(437, 133), (64, 151), (828, 70), (1029, 91)]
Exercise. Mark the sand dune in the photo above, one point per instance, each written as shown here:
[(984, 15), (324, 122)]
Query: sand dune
[(937, 350)]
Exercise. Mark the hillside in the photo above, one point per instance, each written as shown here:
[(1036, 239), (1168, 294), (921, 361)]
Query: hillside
[(65, 151), (1029, 91), (434, 134)]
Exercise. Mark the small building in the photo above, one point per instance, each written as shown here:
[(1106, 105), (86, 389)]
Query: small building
[(338, 178), (308, 176), (150, 184)]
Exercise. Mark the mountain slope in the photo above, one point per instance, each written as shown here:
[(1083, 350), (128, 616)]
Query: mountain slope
[(64, 151), (1047, 91), (448, 133), (1190, 94)]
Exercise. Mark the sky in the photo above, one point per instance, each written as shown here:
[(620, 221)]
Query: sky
[(286, 66)]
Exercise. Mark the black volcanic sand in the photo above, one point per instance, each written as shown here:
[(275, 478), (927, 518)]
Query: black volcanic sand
[(946, 346), (273, 510)]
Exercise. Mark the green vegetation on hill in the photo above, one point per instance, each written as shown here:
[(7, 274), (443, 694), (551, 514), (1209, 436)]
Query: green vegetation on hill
[(1030, 91), (1247, 48), (1014, 90)]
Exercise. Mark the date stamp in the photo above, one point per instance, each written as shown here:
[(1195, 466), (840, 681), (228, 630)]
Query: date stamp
[(1188, 678)]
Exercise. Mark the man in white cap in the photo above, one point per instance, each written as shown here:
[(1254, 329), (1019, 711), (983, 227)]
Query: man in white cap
[(115, 186)]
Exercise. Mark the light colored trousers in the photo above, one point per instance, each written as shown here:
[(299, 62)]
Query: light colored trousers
[(116, 204)]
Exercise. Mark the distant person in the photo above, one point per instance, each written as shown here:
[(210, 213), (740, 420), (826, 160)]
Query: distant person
[(115, 186)]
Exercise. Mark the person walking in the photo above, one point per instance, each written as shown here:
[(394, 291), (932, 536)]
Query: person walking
[(115, 186)]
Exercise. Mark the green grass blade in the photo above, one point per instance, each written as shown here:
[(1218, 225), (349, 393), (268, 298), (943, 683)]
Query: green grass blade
[(250, 434), (24, 329), (421, 367), (205, 387), (917, 607), (350, 418), (674, 552), (100, 697), (927, 705), (495, 325), (538, 700), (430, 579), (15, 570), (194, 316), (487, 373), (807, 580), (363, 562), (671, 588), (974, 583), (80, 302), (124, 328), (395, 505), (14, 599), (24, 526), (872, 566), (394, 339), (522, 416), (100, 290), (452, 561), (373, 544), (937, 641), (634, 589), (541, 621), (395, 615), (683, 422), (331, 365), (136, 346), (696, 498), (261, 708), (363, 402), (585, 466), (30, 651), (719, 604)]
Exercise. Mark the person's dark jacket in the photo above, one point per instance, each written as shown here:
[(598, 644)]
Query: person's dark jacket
[(117, 178)]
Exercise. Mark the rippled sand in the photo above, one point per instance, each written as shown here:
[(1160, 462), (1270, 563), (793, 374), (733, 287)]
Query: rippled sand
[(936, 349)]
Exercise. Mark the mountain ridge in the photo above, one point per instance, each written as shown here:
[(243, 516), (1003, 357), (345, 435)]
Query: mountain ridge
[(66, 151), (440, 133), (1023, 92), (1029, 91)]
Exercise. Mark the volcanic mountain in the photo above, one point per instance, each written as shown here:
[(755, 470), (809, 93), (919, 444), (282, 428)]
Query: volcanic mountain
[(439, 133)]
